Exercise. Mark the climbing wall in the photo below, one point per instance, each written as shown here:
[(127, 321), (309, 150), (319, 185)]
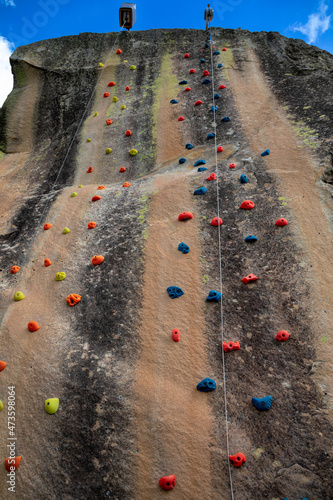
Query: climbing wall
[(167, 299)]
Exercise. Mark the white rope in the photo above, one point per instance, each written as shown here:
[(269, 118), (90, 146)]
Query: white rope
[(220, 260), (59, 172)]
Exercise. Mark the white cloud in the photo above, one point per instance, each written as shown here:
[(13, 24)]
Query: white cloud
[(6, 77), (8, 3), (317, 24)]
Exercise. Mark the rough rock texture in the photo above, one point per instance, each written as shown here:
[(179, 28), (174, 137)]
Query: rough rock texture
[(129, 410)]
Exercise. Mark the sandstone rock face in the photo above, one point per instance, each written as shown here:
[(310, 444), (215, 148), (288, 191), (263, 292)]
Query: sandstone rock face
[(129, 412)]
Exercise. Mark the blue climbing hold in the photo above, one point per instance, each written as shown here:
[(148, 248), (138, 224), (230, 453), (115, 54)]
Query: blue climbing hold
[(211, 135), (266, 152), (206, 385), (182, 247), (214, 108), (182, 160), (202, 169), (220, 65), (243, 179), (201, 190), (189, 146), (225, 119), (203, 60), (216, 53), (183, 82), (175, 292), (214, 296), (200, 162), (262, 404), (206, 45), (250, 239), (204, 82), (173, 101), (217, 96)]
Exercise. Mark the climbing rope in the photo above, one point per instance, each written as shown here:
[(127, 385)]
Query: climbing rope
[(220, 261), (59, 172)]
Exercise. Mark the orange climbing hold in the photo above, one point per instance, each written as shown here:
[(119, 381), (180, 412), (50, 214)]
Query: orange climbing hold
[(3, 365), (111, 84), (91, 225), (212, 177), (122, 169), (175, 335), (106, 94), (96, 198), (73, 299), (97, 259), (247, 205), (187, 89), (238, 459), (219, 149), (15, 269), (222, 87), (232, 165), (181, 119), (197, 103), (230, 346), (185, 216), (12, 463), (33, 326), (249, 278), (192, 71), (101, 187), (128, 88), (90, 169), (126, 185), (47, 226), (281, 222), (119, 51), (186, 56), (217, 221), (108, 121), (205, 73), (128, 133), (47, 262)]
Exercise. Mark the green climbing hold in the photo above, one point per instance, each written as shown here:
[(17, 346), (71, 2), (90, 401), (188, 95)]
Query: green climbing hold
[(19, 296), (132, 67), (51, 405), (108, 151), (133, 152), (60, 276), (88, 140), (65, 230), (1, 405), (96, 113), (74, 194), (123, 106), (80, 186)]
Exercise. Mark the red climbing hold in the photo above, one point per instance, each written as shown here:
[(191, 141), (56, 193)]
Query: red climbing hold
[(247, 205), (217, 221), (97, 259), (167, 482), (222, 87), (122, 169), (47, 226), (230, 346), (90, 169), (192, 71), (119, 51), (47, 262), (101, 187), (96, 198), (197, 103), (232, 165), (33, 326), (128, 88), (111, 84), (108, 121), (187, 89), (175, 335), (224, 49), (282, 336), (106, 94), (126, 185), (186, 56), (181, 119), (91, 225), (3, 365), (12, 464), (205, 73), (219, 149), (15, 269), (238, 459), (128, 133), (185, 216), (73, 299), (249, 278), (281, 222), (212, 177)]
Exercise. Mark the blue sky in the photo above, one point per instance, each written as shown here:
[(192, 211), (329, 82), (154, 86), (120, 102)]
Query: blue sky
[(27, 21)]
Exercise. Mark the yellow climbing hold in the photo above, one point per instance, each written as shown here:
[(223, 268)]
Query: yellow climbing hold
[(96, 113), (51, 405), (125, 60), (123, 106), (114, 98), (108, 151), (73, 194), (132, 67), (88, 140), (65, 230), (101, 65), (19, 296), (80, 186), (60, 276), (1, 405), (133, 152)]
